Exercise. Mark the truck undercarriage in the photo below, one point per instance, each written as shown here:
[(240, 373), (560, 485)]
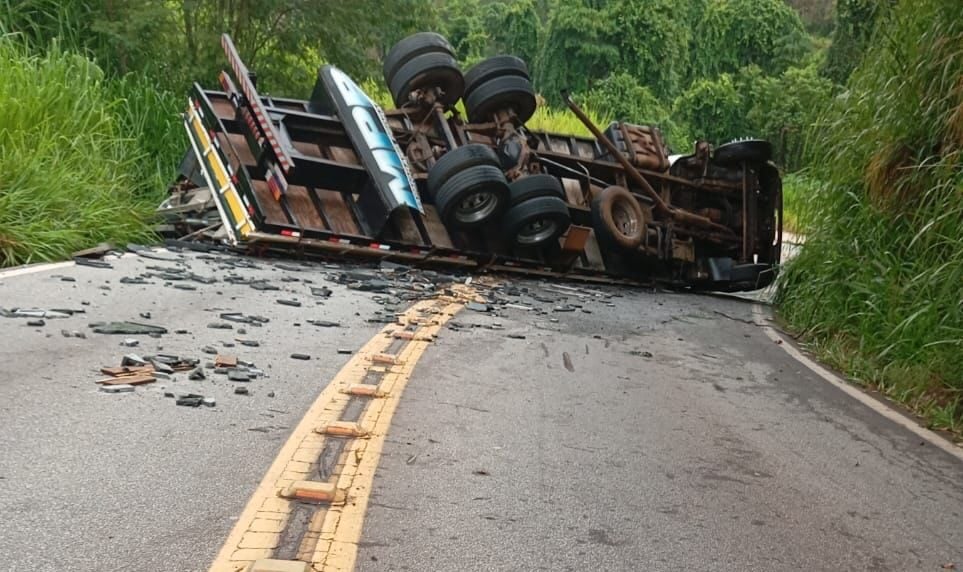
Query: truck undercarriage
[(426, 183)]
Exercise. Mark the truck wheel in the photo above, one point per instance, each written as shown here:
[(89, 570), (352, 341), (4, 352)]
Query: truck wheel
[(617, 218), (412, 47), (428, 70), (472, 197), (751, 150), (532, 186), (495, 66), (537, 221), (459, 159), (505, 92)]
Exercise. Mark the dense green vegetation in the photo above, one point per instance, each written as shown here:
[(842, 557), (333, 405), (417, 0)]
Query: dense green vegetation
[(68, 175), (878, 290), (699, 69), (861, 99)]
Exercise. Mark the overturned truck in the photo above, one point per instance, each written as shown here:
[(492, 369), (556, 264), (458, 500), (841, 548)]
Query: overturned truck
[(426, 183)]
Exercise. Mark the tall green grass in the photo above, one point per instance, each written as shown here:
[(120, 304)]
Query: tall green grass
[(795, 188), (878, 287), (75, 154)]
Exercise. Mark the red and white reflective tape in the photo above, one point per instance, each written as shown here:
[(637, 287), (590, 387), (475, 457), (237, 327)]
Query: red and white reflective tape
[(293, 233), (254, 101), (378, 246)]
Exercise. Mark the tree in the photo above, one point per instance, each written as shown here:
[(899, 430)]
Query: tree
[(736, 33), (653, 39), (621, 97), (713, 109), (578, 49), (514, 29), (855, 22), (784, 109)]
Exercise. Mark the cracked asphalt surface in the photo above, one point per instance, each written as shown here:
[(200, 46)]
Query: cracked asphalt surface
[(571, 429)]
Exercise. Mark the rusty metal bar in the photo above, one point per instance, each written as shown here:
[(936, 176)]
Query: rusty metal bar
[(660, 205)]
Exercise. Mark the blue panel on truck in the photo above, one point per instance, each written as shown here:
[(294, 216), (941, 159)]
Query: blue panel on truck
[(368, 130)]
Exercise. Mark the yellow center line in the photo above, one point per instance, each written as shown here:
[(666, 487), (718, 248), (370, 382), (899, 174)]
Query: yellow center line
[(335, 530)]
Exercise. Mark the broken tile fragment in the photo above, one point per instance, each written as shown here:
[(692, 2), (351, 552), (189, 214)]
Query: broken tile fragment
[(120, 388)]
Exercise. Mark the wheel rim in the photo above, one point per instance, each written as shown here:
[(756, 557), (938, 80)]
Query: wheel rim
[(476, 207), (536, 231), (625, 219)]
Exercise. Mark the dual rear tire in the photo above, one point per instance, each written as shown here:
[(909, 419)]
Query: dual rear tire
[(470, 190), (426, 61), (423, 61)]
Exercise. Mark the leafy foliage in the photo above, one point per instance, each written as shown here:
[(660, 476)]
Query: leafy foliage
[(578, 49), (713, 108), (737, 33), (881, 273), (68, 173), (621, 97), (855, 22), (784, 107)]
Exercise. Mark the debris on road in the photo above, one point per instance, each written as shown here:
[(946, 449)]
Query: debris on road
[(36, 323), (567, 361), (240, 390), (239, 317), (300, 356), (130, 343), (126, 375), (237, 375), (122, 388), (126, 328), (225, 361), (190, 400), (80, 261), (33, 313), (293, 303), (133, 360), (322, 292)]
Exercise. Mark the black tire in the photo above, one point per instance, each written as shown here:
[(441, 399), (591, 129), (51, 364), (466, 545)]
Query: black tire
[(411, 47), (495, 66), (472, 197), (459, 159), (751, 150), (533, 186), (506, 92), (428, 70), (618, 219), (536, 221)]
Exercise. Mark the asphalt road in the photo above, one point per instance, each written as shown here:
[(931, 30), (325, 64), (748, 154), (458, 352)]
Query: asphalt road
[(658, 432), (640, 431), (98, 482)]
